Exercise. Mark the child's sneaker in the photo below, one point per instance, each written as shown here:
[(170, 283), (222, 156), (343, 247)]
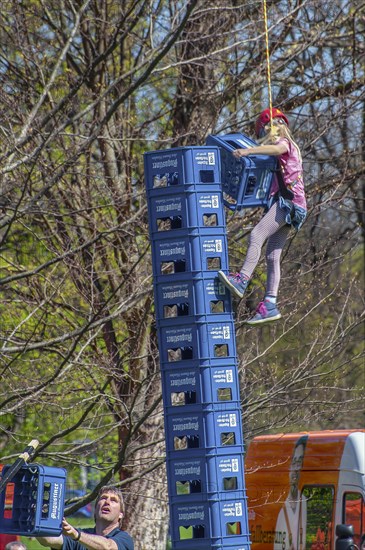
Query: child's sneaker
[(234, 282), (266, 312)]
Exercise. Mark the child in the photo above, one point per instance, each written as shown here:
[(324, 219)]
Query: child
[(288, 208)]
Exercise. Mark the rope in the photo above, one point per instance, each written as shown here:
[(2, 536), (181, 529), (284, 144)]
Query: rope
[(268, 62)]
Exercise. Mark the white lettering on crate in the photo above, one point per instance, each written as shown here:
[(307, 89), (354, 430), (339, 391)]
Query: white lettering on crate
[(183, 381), (165, 163), (185, 426), (191, 470), (186, 337), (227, 421), (55, 500), (181, 293), (229, 376), (192, 515), (211, 158), (169, 207), (218, 244), (232, 509), (172, 251), (229, 466), (219, 332)]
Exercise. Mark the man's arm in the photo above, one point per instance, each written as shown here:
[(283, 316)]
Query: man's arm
[(56, 543), (97, 542), (88, 540), (51, 542)]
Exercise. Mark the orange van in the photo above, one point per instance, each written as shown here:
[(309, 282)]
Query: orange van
[(300, 486)]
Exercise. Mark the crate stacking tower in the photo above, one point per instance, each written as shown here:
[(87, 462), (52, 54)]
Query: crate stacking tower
[(187, 189)]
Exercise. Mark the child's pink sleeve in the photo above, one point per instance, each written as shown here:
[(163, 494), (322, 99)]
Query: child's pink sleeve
[(284, 141)]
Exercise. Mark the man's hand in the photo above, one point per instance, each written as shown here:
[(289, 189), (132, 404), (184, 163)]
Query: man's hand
[(68, 530)]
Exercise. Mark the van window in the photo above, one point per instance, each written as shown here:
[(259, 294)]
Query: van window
[(319, 502), (354, 514)]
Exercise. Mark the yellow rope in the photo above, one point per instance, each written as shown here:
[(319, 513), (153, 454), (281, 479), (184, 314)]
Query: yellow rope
[(268, 62)]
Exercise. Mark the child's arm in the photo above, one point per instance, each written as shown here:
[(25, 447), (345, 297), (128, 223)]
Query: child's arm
[(273, 150)]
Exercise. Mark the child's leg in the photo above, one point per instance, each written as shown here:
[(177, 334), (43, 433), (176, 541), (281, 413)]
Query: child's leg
[(271, 223), (267, 310), (274, 249)]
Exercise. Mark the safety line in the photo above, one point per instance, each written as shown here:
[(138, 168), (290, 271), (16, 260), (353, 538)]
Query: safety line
[(268, 63)]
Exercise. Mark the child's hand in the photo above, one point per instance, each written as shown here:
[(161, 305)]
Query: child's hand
[(240, 153)]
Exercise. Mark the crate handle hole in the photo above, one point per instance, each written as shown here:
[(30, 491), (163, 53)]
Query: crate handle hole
[(206, 176), (179, 399), (221, 350), (233, 528), (224, 394), (175, 310), (217, 306), (228, 438), (230, 483), (187, 487), (210, 220), (214, 264), (187, 532)]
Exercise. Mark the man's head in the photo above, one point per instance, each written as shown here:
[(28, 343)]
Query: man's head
[(297, 462), (15, 545), (109, 505)]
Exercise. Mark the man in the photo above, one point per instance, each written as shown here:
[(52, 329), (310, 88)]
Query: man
[(107, 533), (291, 522)]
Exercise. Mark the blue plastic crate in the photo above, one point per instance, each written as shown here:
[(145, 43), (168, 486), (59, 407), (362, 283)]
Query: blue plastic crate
[(193, 210), (192, 296), (246, 182), (191, 340), (36, 494), (190, 523), (230, 522), (206, 477), (223, 525), (185, 253), (235, 141), (182, 165), (217, 432), (215, 387)]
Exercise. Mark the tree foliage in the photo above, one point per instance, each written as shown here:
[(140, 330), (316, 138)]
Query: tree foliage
[(86, 88)]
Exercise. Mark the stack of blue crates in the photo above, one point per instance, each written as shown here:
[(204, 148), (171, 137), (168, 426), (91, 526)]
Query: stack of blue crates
[(196, 334), (246, 181), (32, 503)]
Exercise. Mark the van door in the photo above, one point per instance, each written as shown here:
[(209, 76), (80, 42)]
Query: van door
[(320, 506), (353, 510)]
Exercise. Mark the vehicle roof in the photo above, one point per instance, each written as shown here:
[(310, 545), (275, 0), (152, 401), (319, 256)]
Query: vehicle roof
[(325, 450)]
